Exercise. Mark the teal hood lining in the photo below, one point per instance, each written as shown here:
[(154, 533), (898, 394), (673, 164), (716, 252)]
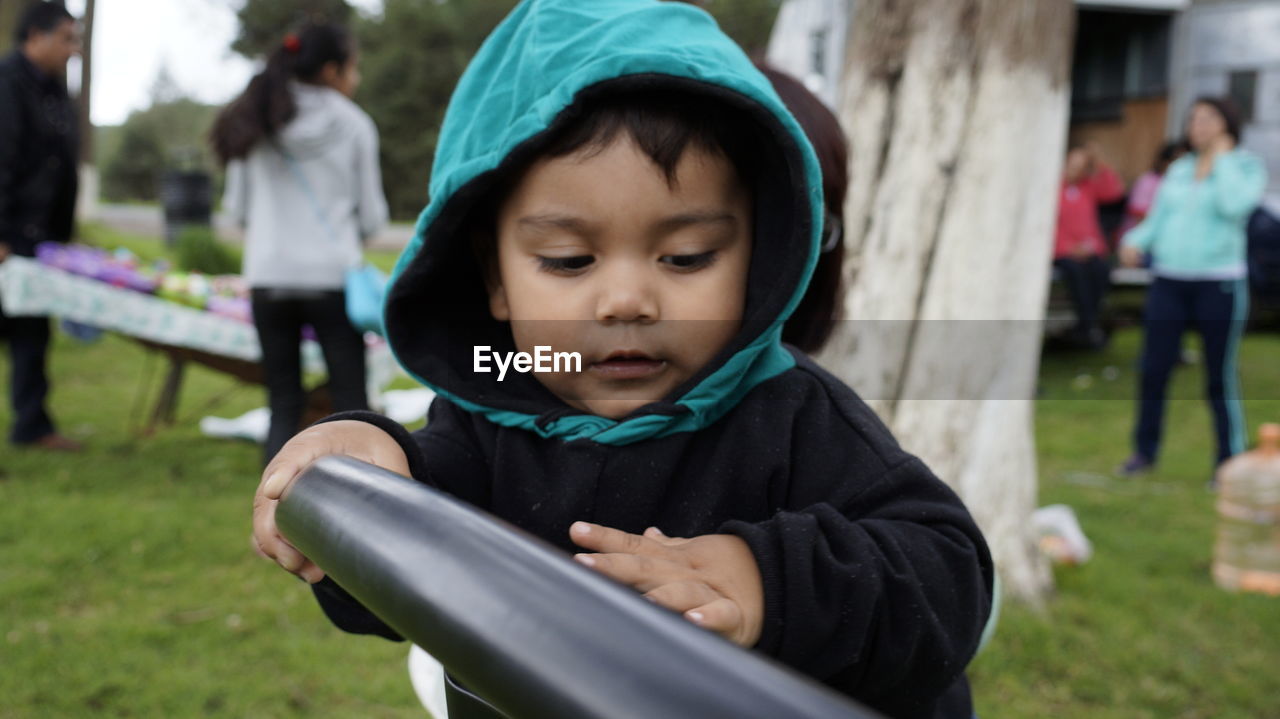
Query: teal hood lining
[(437, 310)]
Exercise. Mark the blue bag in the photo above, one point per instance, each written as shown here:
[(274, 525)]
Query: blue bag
[(365, 287)]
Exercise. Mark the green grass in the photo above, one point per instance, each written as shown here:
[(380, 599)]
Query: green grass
[(1139, 631), (127, 586)]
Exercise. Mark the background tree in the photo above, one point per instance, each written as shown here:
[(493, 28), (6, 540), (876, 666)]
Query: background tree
[(413, 55), (957, 117), (86, 84), (9, 11), (748, 22), (171, 133), (263, 23)]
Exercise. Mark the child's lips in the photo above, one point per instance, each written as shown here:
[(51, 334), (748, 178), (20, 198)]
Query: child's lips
[(628, 367)]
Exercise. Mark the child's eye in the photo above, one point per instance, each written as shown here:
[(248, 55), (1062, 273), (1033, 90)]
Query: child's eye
[(689, 262), (565, 264)]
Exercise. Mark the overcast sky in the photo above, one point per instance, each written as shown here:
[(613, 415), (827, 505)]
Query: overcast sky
[(133, 39)]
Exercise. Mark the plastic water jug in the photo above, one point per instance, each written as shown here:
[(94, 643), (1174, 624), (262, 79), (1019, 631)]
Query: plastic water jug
[(1246, 557)]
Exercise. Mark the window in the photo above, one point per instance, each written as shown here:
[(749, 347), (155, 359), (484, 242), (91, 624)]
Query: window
[(1118, 57), (1241, 87), (818, 52)]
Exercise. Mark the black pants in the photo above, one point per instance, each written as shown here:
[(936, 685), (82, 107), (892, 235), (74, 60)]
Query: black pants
[(279, 315), (1218, 311), (1087, 282), (28, 339)]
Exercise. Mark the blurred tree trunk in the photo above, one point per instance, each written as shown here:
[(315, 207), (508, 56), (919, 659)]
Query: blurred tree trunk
[(87, 201), (86, 85), (957, 115)]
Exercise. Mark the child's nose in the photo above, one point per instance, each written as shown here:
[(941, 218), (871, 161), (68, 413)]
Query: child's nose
[(626, 296)]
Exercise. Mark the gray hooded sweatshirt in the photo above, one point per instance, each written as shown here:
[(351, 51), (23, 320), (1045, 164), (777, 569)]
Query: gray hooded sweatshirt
[(307, 197)]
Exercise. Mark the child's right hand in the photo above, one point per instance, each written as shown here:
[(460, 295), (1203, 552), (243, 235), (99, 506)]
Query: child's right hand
[(1130, 256), (360, 440)]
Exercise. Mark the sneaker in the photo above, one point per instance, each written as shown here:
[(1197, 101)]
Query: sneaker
[(1134, 466)]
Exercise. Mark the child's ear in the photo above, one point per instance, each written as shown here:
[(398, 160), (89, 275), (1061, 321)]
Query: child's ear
[(498, 306)]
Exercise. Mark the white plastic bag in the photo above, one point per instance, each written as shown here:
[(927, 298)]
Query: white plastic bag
[(1061, 537)]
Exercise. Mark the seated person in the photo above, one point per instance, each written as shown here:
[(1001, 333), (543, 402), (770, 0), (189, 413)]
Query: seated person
[(1079, 250), (616, 180)]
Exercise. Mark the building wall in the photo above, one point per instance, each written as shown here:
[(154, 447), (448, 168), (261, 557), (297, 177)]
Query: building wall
[(1130, 144), (809, 33), (1211, 40)]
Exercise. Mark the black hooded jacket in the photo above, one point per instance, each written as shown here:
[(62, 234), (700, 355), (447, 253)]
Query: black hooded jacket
[(38, 156)]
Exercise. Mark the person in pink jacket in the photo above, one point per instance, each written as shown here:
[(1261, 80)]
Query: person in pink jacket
[(1143, 194), (1080, 250)]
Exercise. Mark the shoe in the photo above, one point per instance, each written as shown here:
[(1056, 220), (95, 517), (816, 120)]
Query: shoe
[(54, 442), (1134, 466)]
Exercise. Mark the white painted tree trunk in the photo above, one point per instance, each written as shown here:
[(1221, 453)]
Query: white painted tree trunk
[(956, 112)]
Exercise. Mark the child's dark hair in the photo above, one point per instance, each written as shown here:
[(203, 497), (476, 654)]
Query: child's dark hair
[(663, 124), (43, 17), (266, 105), (811, 324)]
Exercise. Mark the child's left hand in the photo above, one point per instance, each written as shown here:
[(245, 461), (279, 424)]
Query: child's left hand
[(712, 580)]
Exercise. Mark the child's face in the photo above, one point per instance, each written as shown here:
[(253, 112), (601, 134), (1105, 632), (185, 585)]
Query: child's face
[(598, 254)]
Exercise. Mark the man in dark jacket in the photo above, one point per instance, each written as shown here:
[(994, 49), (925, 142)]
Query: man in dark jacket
[(38, 154)]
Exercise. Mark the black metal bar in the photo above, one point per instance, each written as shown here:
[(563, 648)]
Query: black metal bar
[(519, 622)]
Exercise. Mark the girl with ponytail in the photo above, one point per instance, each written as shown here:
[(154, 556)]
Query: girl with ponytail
[(304, 182)]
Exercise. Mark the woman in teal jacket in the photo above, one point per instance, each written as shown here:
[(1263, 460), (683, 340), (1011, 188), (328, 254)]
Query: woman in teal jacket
[(1195, 235)]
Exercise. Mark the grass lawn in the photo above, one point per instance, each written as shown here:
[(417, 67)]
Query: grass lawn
[(128, 587), (1139, 631)]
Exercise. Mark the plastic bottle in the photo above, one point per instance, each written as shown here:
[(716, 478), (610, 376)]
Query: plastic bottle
[(1246, 557)]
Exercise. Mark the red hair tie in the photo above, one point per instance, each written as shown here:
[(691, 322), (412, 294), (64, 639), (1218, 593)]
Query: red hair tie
[(292, 44)]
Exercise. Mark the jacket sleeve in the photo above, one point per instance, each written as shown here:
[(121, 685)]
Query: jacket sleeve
[(882, 592), (371, 205), (1145, 233), (235, 196), (1238, 180), (453, 463), (10, 132), (1106, 185)]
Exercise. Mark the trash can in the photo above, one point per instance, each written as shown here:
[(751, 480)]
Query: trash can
[(187, 198)]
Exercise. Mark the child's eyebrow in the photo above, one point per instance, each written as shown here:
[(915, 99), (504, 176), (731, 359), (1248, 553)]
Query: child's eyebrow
[(568, 223), (685, 219)]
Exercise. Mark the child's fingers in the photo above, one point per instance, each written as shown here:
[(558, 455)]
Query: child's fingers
[(310, 572), (277, 477), (270, 544), (657, 535), (722, 616), (265, 533), (306, 447), (683, 596), (637, 570), (288, 557), (257, 547), (610, 540)]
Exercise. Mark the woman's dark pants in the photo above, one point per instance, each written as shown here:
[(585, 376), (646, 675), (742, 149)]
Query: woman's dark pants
[(1218, 310), (279, 315)]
